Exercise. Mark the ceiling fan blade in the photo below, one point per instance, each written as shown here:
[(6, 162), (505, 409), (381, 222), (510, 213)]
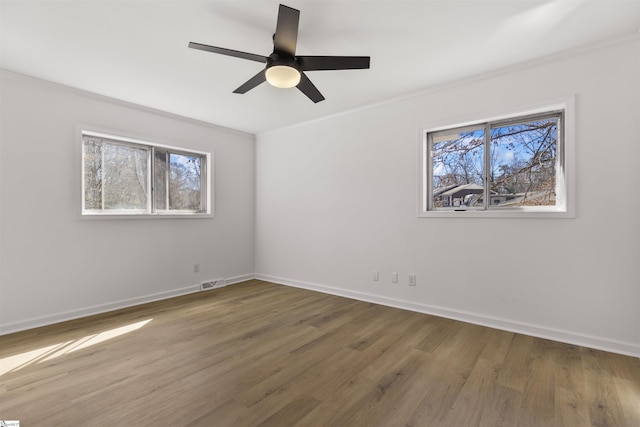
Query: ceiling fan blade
[(286, 36), (316, 63), (228, 52), (251, 83), (309, 89)]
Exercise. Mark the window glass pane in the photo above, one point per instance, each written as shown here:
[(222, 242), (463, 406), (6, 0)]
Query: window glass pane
[(161, 180), (92, 158), (523, 163), (458, 168), (124, 177), (185, 182)]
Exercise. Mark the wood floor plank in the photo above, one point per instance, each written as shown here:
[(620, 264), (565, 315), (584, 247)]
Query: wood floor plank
[(570, 408), (629, 394), (468, 409), (223, 415), (515, 372), (378, 405), (292, 412), (440, 394), (538, 398), (257, 353), (570, 400), (341, 385), (605, 407)]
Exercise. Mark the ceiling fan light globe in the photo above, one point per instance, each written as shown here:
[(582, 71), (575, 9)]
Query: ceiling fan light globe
[(282, 76)]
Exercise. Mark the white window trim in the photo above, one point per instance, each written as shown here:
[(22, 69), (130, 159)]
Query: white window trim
[(566, 210), (98, 131)]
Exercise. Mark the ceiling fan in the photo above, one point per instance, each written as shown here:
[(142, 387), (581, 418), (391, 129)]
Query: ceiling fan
[(284, 69)]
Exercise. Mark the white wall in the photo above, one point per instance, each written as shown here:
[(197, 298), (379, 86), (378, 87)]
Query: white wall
[(336, 199), (55, 265)]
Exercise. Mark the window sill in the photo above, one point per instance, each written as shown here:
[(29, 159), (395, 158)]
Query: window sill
[(183, 215), (501, 213)]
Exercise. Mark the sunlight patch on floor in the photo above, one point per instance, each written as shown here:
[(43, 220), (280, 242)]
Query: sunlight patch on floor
[(19, 361)]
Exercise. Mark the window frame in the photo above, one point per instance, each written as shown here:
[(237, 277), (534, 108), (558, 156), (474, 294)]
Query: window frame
[(565, 170), (206, 181)]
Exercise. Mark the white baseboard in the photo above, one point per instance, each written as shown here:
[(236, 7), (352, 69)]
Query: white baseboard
[(241, 278), (569, 337), (36, 322)]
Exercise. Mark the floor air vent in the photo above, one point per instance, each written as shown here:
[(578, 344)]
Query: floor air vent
[(212, 284)]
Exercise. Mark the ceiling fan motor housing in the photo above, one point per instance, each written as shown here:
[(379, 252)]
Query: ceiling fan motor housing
[(278, 59)]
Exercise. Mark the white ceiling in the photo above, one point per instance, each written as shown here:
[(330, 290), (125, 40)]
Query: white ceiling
[(137, 50)]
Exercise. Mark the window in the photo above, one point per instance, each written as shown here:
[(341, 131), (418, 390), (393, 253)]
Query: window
[(122, 176), (505, 167)]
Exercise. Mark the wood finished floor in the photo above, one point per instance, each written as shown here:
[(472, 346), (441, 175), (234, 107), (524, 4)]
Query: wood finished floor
[(259, 354)]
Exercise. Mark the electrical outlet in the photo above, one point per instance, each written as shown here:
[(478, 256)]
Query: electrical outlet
[(412, 280), (376, 276), (394, 277), (196, 268)]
